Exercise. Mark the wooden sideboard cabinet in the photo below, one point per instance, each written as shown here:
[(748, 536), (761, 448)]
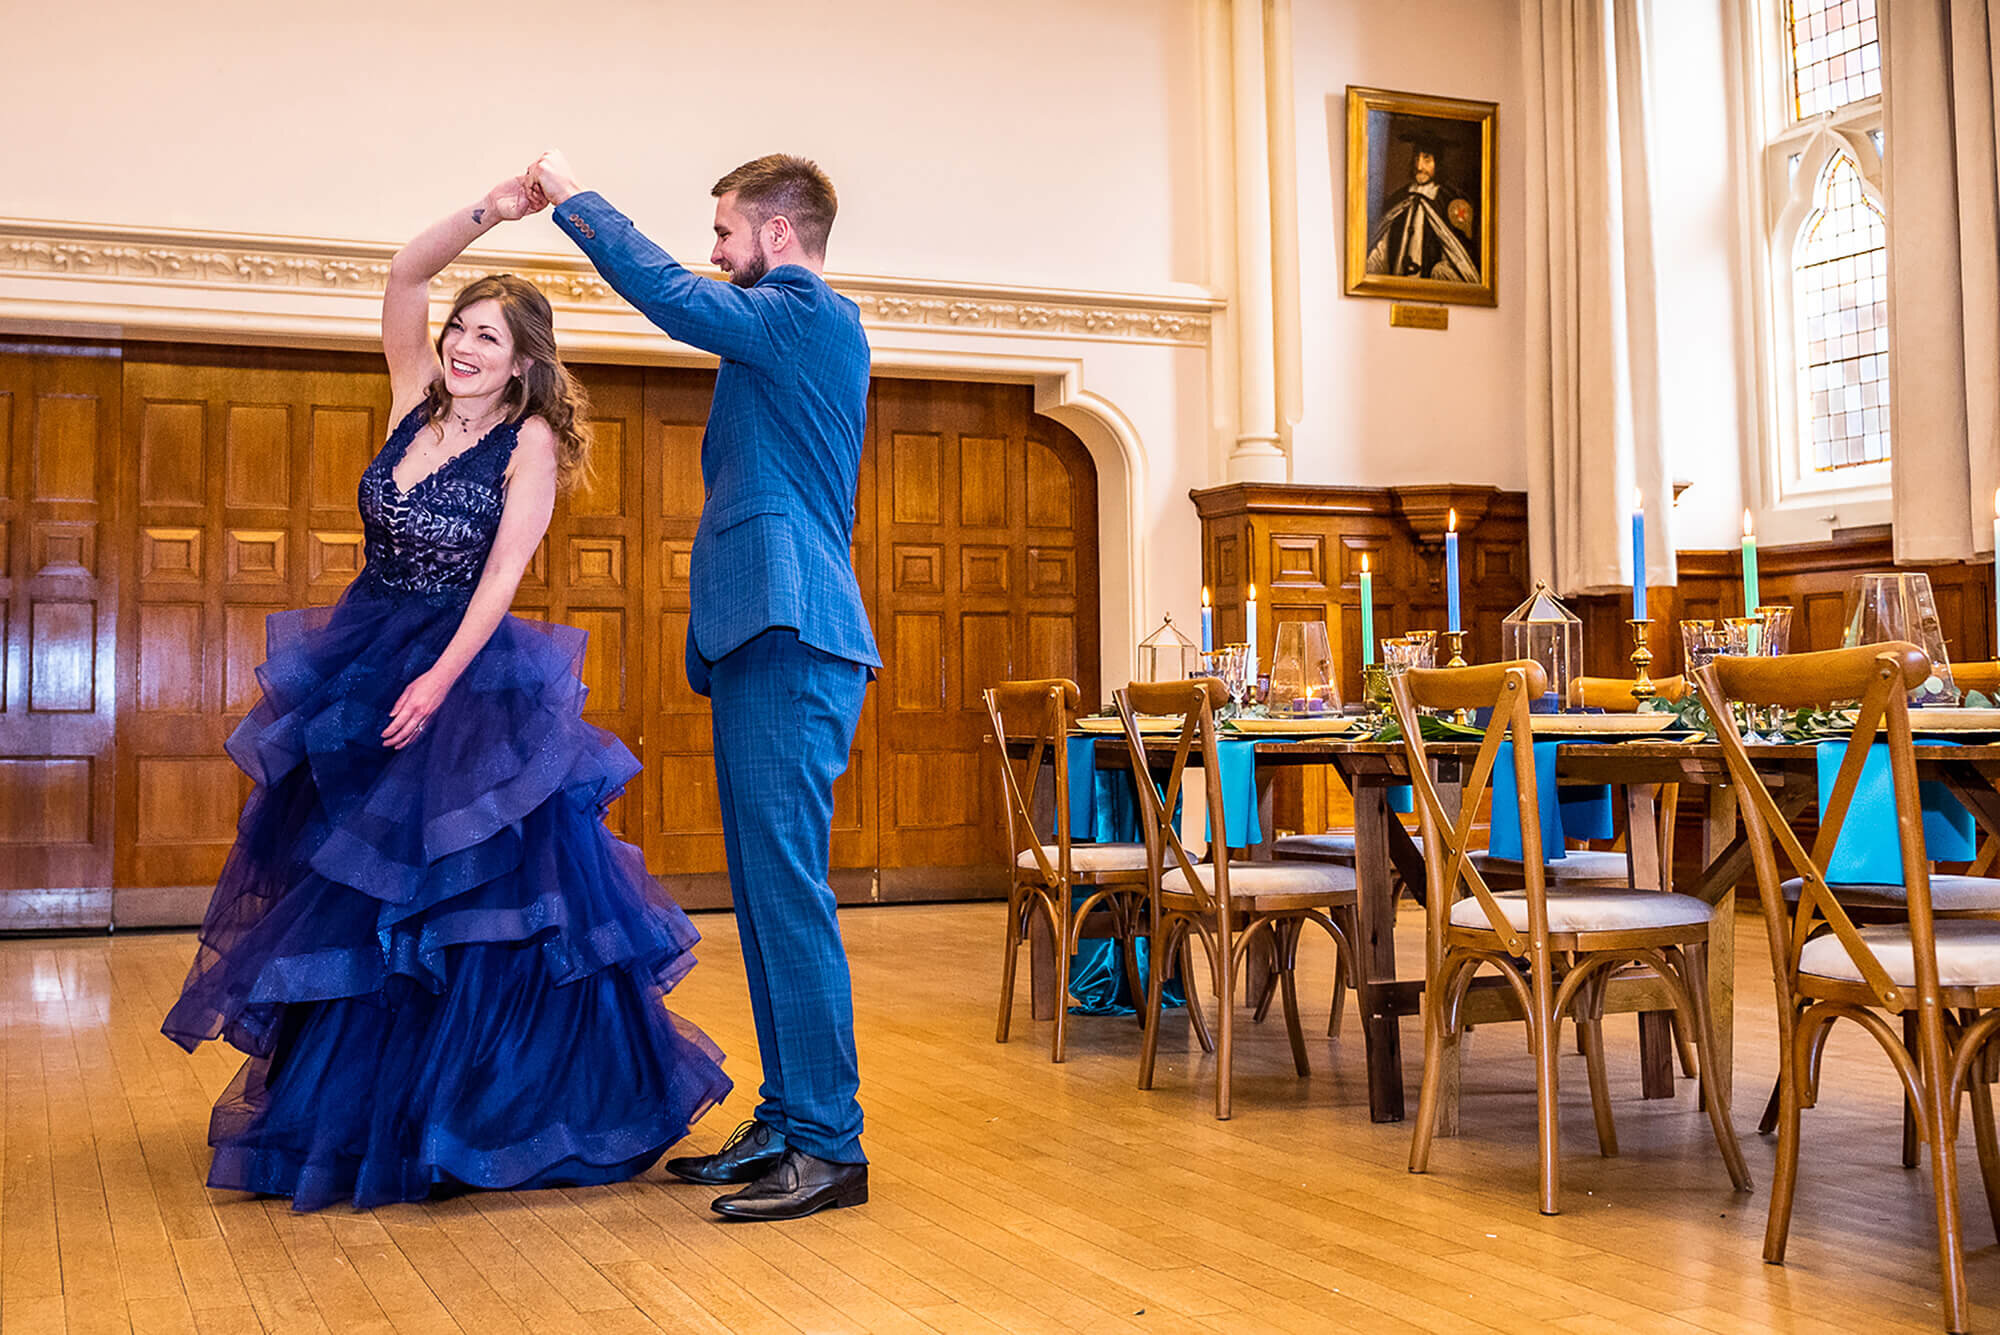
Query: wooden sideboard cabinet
[(1302, 546)]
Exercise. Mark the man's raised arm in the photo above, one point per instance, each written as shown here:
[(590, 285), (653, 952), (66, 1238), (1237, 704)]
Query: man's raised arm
[(741, 324)]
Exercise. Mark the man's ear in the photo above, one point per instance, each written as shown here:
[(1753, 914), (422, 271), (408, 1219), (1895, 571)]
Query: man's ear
[(781, 234)]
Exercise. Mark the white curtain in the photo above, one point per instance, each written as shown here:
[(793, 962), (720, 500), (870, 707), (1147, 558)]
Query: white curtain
[(1594, 432), (1943, 201)]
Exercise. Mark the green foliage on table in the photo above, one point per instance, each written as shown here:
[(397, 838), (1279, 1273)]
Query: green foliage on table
[(1796, 726), (1435, 729), (1686, 713)]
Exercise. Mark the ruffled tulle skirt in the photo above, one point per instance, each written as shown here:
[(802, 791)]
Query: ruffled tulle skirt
[(443, 967)]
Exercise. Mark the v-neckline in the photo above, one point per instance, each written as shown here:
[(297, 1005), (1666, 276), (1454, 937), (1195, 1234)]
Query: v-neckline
[(404, 453)]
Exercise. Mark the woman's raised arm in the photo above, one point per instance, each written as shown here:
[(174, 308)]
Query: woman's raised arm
[(406, 302)]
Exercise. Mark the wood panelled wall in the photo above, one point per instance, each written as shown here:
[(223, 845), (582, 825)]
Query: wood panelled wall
[(219, 486), (59, 449), (1302, 547)]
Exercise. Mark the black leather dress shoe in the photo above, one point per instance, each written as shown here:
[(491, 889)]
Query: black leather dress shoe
[(797, 1186), (747, 1155)]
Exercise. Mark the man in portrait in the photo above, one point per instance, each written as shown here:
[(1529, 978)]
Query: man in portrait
[(1427, 228)]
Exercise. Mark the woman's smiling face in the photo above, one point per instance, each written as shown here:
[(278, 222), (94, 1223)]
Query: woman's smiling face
[(478, 347)]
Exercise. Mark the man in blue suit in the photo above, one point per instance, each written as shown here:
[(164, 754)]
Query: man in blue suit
[(778, 638)]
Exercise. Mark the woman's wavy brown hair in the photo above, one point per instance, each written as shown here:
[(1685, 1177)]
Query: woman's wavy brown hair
[(545, 390)]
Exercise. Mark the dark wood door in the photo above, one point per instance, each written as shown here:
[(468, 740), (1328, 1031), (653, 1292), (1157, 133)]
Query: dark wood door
[(59, 622), (986, 520), (241, 504)]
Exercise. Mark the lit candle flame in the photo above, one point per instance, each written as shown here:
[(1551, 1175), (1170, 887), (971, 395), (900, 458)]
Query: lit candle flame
[(1750, 528), (1638, 498), (1364, 555), (1253, 593), (1204, 595), (1451, 520)]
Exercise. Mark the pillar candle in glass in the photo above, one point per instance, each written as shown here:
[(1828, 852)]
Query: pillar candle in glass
[(1207, 623), (1751, 600), (1638, 556), (1368, 609), (1451, 620)]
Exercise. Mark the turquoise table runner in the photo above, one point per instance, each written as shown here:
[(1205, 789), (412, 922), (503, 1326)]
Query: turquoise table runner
[(1242, 825), (1868, 851), (1576, 812)]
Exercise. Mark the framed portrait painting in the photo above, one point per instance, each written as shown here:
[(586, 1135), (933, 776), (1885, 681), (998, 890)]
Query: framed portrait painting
[(1420, 201)]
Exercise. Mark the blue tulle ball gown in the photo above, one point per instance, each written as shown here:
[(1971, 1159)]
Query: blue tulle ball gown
[(443, 967)]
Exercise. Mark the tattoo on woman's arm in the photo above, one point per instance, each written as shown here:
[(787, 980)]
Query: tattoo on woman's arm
[(479, 215)]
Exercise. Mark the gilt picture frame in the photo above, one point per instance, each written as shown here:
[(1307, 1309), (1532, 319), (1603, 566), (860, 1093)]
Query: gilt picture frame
[(1421, 219)]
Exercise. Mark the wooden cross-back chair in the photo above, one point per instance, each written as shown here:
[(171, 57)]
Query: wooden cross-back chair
[(1609, 869), (1553, 948), (1828, 967), (1226, 902), (1047, 867)]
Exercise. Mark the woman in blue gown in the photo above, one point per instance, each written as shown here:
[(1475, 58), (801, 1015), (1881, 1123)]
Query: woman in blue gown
[(442, 966)]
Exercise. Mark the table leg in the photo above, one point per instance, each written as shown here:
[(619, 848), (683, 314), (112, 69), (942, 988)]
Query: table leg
[(1656, 1028), (1375, 952)]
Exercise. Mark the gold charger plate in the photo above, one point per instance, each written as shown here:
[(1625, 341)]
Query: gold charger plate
[(1556, 724), (1955, 720), (1147, 723), (1303, 726)]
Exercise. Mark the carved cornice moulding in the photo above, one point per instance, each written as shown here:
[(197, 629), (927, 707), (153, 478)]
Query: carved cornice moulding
[(229, 262)]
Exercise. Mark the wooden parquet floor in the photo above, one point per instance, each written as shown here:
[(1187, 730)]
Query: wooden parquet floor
[(1009, 1194)]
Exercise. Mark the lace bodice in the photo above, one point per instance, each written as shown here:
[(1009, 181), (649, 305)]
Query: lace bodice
[(433, 539)]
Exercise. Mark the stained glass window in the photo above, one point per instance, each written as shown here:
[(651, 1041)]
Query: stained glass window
[(1836, 54), (1841, 286)]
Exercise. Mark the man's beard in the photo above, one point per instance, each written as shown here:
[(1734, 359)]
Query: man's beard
[(750, 273)]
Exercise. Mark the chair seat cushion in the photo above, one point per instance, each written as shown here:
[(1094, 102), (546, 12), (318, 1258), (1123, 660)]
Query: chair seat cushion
[(1263, 881), (1337, 848), (1590, 910), (1949, 894), (1090, 857), (1578, 864), (1968, 954)]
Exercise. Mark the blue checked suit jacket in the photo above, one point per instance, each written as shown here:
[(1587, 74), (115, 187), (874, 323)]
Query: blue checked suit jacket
[(781, 458)]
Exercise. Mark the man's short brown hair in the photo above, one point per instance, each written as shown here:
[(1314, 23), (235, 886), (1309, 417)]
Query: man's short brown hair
[(779, 183)]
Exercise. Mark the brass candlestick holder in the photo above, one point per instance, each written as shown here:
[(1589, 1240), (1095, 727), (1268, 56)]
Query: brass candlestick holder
[(1455, 641), (1642, 659)]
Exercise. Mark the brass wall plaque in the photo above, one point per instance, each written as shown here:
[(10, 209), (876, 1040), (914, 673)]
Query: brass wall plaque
[(1404, 315)]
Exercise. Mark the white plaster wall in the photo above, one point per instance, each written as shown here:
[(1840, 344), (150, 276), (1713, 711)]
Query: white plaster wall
[(1046, 143), (1052, 142), (1382, 405)]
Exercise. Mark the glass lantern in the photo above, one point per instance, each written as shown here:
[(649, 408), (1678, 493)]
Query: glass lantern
[(1167, 655), (1546, 631), (1899, 605)]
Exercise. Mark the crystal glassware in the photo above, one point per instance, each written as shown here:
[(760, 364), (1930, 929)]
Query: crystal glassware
[(1899, 605), (1774, 631)]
